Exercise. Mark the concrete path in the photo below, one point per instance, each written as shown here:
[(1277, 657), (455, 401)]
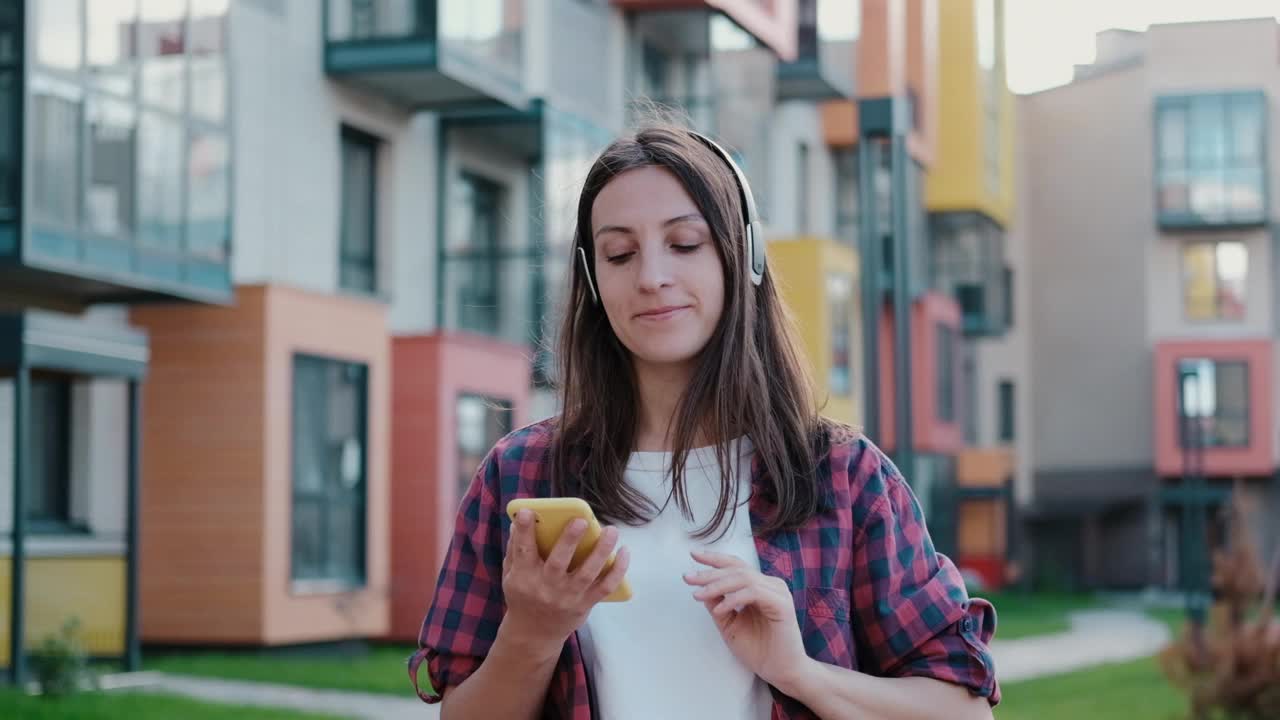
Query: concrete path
[(362, 706), (1095, 637)]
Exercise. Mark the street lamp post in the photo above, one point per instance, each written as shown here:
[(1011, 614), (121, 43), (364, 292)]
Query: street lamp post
[(1194, 533)]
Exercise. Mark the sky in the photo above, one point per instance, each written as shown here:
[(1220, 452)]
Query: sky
[(1045, 39)]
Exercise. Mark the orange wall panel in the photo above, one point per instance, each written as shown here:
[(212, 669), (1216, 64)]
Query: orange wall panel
[(203, 458), (353, 330), (931, 434)]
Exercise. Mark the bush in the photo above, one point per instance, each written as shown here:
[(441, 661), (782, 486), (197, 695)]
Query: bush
[(61, 662), (1230, 668)]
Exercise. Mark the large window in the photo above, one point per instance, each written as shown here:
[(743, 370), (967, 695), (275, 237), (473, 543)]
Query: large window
[(330, 466), (359, 266), (49, 473), (129, 138), (1210, 159), (840, 309), (475, 237), (482, 422), (946, 380), (1213, 280), (968, 263), (1213, 402), (10, 108)]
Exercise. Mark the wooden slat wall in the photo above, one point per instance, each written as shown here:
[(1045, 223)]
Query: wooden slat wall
[(202, 472)]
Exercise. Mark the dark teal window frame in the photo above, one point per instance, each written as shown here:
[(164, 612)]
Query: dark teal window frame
[(358, 266), (946, 338), (1006, 403), (1242, 414), (49, 492), (1166, 171), (330, 499)]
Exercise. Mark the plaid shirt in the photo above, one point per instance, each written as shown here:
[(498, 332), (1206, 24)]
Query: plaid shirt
[(870, 592)]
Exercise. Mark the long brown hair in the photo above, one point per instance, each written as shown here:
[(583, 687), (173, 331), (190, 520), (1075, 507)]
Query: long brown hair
[(749, 380)]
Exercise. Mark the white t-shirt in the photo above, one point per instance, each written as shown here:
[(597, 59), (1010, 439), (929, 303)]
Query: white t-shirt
[(659, 655)]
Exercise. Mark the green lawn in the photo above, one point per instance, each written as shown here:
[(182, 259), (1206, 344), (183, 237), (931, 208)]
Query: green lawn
[(379, 670), (1123, 691), (1023, 614), (133, 706)]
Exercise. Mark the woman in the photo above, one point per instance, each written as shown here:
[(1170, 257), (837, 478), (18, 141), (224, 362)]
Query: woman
[(780, 564)]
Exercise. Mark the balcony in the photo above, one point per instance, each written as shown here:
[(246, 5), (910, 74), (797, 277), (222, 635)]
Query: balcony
[(771, 24), (968, 263), (1211, 161), (65, 268), (429, 54), (824, 64)]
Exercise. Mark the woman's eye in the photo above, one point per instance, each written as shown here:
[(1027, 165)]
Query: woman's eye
[(619, 258), (686, 248)]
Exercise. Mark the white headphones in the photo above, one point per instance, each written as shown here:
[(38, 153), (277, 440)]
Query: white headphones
[(754, 239)]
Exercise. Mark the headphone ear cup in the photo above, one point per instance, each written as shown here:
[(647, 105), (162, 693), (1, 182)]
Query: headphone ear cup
[(755, 251), (586, 273)]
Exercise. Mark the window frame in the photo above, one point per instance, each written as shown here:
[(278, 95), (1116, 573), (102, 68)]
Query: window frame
[(1245, 414), (1217, 316), (62, 521), (358, 498), (1224, 105), (351, 137), (1006, 411)]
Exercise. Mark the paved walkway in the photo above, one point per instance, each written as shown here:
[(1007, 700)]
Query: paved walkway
[(1095, 637), (362, 706)]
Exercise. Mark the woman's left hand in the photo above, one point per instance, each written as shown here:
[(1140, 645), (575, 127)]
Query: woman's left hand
[(755, 614)]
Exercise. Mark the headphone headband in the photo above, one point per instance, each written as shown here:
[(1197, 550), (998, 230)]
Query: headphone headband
[(754, 233)]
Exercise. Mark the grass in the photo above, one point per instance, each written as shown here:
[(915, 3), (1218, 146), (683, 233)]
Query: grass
[(134, 706), (1122, 691), (379, 670), (1023, 614)]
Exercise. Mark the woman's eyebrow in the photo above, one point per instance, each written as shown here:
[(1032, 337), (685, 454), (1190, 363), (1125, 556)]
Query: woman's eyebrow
[(688, 217)]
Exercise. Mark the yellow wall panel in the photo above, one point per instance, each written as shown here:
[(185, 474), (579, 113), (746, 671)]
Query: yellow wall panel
[(800, 267), (958, 179), (91, 588)]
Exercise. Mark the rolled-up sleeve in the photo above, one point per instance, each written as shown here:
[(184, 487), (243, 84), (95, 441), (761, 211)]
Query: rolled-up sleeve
[(468, 604), (913, 616)]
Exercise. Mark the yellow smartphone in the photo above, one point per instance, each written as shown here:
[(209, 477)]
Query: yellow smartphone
[(551, 517)]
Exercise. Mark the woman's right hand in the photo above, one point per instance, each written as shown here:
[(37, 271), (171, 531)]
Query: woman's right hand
[(545, 601)]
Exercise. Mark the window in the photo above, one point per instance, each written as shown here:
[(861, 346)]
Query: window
[(162, 47), (111, 32), (58, 38), (1007, 287), (1008, 410), (482, 422), (358, 269), (49, 474), (160, 181), (840, 308), (476, 236), (1213, 280), (802, 188), (847, 230), (55, 147), (209, 193), (330, 431), (111, 196), (1210, 159), (1213, 402), (946, 380), (967, 262)]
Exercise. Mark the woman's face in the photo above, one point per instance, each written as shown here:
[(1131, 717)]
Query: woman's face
[(657, 267)]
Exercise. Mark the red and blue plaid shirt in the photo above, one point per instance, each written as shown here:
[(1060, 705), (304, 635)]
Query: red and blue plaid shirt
[(870, 592)]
